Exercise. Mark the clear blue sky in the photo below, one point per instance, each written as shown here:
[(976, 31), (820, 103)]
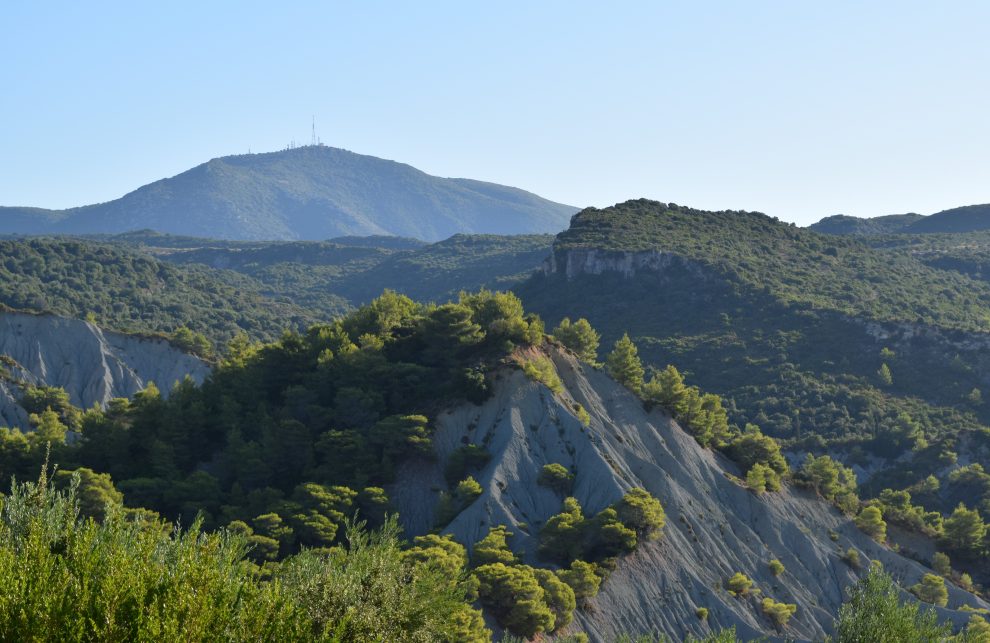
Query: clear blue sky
[(796, 109)]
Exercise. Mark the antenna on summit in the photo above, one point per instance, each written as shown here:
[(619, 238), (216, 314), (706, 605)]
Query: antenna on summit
[(312, 140)]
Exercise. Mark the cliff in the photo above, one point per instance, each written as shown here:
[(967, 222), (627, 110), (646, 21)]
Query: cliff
[(91, 364)]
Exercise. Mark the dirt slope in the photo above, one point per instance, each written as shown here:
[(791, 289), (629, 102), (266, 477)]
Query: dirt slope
[(714, 526)]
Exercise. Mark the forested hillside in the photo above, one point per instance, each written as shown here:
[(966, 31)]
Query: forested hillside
[(133, 292), (873, 354), (286, 442)]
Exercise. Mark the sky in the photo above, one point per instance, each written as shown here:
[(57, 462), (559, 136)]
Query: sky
[(797, 109)]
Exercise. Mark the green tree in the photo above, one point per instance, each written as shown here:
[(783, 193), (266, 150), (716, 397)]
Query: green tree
[(583, 578), (776, 567), (562, 536), (870, 521), (874, 612), (942, 565), (579, 337), (558, 596), (493, 548), (641, 512), (624, 365), (739, 584), (762, 478), (964, 531), (932, 590), (752, 446), (885, 376), (779, 612), (555, 476), (515, 598)]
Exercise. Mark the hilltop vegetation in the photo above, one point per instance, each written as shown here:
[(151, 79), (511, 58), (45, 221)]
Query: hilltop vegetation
[(131, 292), (869, 351)]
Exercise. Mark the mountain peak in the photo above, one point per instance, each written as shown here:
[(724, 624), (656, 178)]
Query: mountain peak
[(312, 192)]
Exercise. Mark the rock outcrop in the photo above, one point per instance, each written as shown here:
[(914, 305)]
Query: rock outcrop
[(715, 527), (91, 364)]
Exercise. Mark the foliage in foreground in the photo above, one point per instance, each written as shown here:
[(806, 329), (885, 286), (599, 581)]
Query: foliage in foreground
[(66, 579)]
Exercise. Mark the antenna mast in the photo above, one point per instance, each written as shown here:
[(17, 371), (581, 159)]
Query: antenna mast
[(312, 140)]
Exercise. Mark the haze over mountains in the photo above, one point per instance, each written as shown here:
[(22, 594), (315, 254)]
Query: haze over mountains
[(307, 193)]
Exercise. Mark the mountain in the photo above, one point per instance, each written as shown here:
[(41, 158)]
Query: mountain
[(859, 226), (971, 218), (91, 365), (314, 193)]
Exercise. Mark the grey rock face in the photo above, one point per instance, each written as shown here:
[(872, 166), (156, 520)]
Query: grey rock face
[(715, 527), (92, 365)]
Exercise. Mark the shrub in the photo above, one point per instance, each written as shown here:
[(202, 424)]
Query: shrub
[(583, 578), (555, 476), (932, 590), (779, 612), (493, 548), (641, 512), (762, 478), (875, 612), (541, 369), (739, 584), (851, 558), (515, 598), (870, 521), (581, 414), (942, 564), (701, 613), (776, 567)]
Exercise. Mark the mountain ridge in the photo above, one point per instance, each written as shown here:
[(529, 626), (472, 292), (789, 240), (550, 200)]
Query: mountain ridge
[(307, 193)]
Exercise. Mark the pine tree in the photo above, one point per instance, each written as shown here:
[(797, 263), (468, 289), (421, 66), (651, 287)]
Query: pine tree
[(624, 365), (580, 337)]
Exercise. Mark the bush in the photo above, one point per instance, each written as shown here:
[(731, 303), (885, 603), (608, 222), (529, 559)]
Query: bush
[(583, 578), (555, 476), (641, 512), (515, 598), (739, 584), (875, 612), (932, 590), (493, 548), (851, 558), (762, 478), (776, 567), (779, 612), (541, 369), (870, 521), (701, 613)]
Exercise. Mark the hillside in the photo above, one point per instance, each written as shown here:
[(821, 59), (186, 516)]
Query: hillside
[(872, 355), (715, 526), (450, 415), (328, 276), (313, 193), (124, 290), (971, 218), (91, 365), (861, 226)]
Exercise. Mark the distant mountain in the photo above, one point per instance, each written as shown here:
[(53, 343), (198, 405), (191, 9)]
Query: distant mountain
[(859, 226), (309, 193), (970, 218)]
